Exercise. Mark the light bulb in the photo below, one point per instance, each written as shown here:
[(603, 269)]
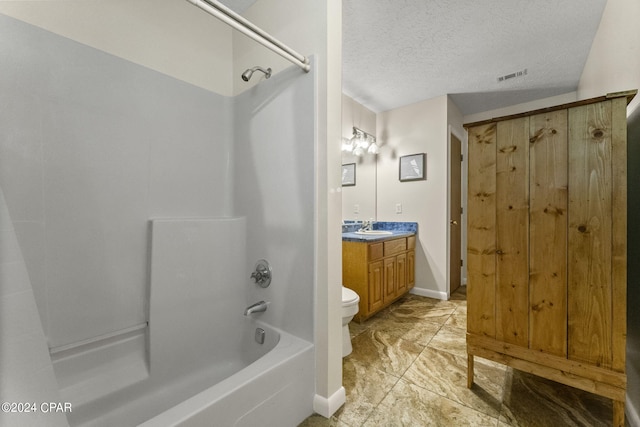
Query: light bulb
[(347, 145), (374, 149), (363, 142)]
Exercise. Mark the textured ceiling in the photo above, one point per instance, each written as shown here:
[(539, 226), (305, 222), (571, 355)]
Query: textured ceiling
[(397, 52)]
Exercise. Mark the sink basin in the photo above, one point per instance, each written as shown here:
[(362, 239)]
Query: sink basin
[(374, 232)]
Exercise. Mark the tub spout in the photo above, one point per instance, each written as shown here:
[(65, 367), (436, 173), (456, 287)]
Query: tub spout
[(256, 308)]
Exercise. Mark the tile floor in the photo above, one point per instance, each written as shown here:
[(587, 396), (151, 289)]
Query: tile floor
[(409, 368)]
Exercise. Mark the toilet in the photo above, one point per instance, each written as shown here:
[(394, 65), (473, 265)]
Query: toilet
[(350, 301)]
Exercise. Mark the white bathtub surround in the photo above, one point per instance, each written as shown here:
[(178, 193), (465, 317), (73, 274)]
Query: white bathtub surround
[(275, 390), (26, 374), (92, 147), (198, 281), (92, 369), (204, 360), (273, 182), (280, 370), (100, 145)]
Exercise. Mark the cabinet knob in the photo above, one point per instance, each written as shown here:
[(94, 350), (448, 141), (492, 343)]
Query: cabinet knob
[(453, 222), (499, 252)]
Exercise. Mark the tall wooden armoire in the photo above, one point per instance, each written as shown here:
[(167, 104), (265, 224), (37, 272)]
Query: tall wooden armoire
[(547, 251)]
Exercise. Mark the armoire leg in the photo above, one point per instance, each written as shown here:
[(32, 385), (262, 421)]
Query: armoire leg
[(470, 370), (618, 413)]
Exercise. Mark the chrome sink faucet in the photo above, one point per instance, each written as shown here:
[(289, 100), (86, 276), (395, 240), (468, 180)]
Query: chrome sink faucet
[(256, 308), (366, 226)]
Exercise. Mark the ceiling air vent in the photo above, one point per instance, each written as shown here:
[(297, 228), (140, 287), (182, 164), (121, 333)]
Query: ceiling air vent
[(512, 75)]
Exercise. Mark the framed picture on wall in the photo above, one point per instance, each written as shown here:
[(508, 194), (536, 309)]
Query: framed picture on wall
[(413, 167), (349, 175)]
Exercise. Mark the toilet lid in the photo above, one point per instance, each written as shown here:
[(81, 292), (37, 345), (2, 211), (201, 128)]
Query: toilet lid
[(349, 295)]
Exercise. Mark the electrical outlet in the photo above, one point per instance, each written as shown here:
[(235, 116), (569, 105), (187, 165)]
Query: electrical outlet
[(398, 208), (356, 209)]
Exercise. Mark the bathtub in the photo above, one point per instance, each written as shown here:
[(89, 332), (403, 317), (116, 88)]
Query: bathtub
[(261, 384), (272, 391), (195, 361)]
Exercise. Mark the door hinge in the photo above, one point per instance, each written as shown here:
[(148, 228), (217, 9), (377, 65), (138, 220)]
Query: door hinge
[(461, 211), (461, 263), (462, 157)]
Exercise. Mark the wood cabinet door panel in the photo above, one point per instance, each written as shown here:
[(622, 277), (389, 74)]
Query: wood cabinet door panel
[(481, 230), (548, 232), (619, 231), (389, 278), (411, 269), (376, 282), (590, 234), (401, 274), (512, 231)]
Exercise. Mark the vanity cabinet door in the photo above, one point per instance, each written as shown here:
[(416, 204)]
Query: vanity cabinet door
[(411, 269), (376, 275), (389, 279), (401, 274)]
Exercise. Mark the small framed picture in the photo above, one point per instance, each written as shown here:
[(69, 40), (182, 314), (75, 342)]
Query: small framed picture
[(412, 167), (349, 175)]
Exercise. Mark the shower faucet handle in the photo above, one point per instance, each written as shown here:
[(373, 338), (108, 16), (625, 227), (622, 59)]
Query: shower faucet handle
[(262, 273)]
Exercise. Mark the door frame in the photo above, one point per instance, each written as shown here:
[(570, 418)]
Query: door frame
[(461, 134)]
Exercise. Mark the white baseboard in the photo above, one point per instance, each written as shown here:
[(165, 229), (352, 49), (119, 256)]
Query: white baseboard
[(632, 413), (327, 406), (429, 293)]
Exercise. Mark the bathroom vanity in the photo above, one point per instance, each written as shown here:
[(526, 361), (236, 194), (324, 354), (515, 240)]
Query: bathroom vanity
[(380, 268)]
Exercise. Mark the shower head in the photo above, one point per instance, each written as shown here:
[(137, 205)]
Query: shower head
[(248, 73)]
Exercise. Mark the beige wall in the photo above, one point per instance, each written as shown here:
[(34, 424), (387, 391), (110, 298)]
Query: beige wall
[(306, 34), (522, 108), (330, 394), (172, 37), (363, 194), (418, 128), (613, 63)]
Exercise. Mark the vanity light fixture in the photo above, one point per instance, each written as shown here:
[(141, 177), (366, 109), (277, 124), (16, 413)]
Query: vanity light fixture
[(360, 143)]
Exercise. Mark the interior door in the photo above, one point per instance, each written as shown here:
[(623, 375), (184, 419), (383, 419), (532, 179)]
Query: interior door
[(455, 210)]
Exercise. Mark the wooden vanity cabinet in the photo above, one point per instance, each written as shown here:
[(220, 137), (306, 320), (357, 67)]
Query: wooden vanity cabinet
[(547, 256), (380, 272)]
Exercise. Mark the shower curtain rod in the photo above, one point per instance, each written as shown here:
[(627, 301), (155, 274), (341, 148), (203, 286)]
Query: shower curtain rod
[(229, 17)]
